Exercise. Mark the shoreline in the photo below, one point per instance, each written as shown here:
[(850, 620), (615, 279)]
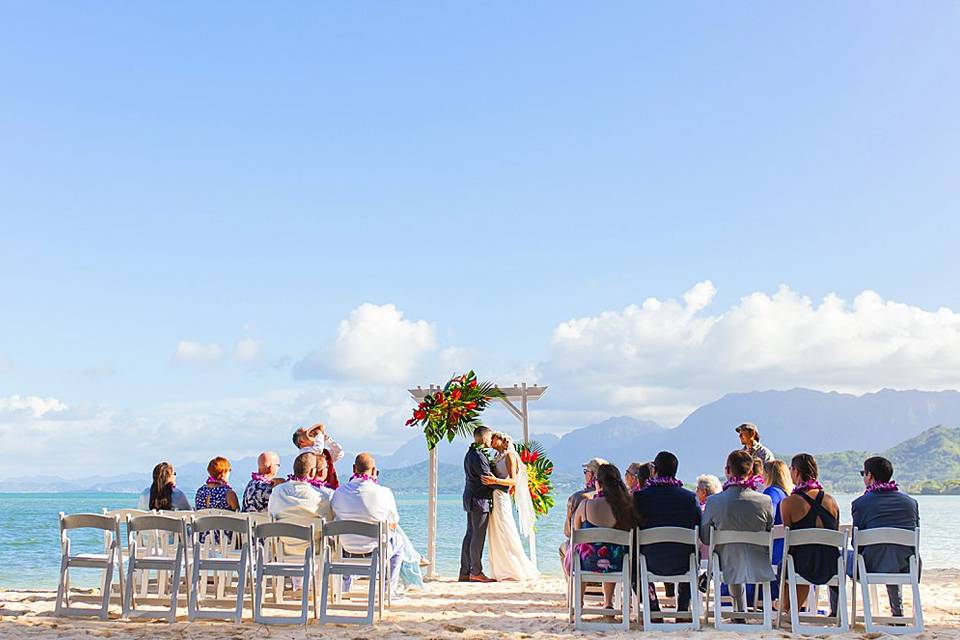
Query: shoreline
[(444, 609)]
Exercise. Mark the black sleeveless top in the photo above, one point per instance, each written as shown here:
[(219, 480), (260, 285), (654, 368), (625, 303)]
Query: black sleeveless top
[(815, 562)]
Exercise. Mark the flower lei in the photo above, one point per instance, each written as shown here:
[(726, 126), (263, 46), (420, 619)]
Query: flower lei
[(362, 476), (662, 481), (757, 483), (745, 483), (217, 482), (598, 494), (882, 487), (259, 477), (807, 485)]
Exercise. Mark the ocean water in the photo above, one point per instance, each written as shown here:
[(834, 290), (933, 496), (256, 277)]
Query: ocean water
[(30, 551)]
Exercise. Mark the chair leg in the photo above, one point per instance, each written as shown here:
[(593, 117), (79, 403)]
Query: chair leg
[(625, 596), (174, 590), (105, 589), (62, 587)]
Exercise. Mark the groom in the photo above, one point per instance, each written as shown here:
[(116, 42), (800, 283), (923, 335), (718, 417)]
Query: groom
[(477, 492)]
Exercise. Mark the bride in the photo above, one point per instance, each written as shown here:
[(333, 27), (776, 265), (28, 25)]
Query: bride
[(507, 558)]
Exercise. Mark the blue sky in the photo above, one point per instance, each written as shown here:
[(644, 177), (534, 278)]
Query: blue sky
[(206, 175)]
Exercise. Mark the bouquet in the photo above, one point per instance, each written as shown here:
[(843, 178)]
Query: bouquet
[(454, 410)]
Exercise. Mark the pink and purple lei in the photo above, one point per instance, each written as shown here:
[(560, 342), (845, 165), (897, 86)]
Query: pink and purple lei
[(362, 476), (807, 485), (882, 487), (662, 481)]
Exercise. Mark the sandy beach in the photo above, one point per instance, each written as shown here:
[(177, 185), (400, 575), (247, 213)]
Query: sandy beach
[(445, 609)]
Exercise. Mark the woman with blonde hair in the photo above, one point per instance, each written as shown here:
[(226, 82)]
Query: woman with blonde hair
[(776, 477)]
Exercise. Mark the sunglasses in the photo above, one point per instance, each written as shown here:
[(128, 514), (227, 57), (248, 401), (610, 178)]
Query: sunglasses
[(862, 473)]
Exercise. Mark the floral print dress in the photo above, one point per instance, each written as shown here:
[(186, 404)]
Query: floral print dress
[(600, 558)]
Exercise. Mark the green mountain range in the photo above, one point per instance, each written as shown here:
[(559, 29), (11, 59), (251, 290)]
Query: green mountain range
[(928, 463)]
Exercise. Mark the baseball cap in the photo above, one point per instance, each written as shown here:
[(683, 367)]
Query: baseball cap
[(749, 426), (593, 464)]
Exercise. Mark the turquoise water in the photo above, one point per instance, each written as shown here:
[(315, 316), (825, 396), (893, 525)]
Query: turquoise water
[(30, 552)]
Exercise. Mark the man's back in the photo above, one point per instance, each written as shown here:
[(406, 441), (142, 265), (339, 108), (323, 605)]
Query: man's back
[(298, 500), (667, 507), (886, 509), (739, 509), (364, 501)]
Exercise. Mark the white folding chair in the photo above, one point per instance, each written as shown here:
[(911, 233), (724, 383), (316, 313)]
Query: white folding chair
[(600, 535), (790, 578), (756, 538), (156, 561), (280, 553), (869, 581), (684, 619), (105, 561), (263, 537), (221, 565), (369, 566), (142, 579)]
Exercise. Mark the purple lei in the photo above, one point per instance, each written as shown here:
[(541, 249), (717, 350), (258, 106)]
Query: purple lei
[(293, 478), (746, 483), (217, 482), (757, 483), (883, 487), (258, 477), (590, 486), (662, 481), (317, 483), (807, 485), (598, 494), (362, 476)]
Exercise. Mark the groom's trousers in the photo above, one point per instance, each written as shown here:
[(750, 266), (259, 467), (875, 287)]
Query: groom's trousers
[(471, 553)]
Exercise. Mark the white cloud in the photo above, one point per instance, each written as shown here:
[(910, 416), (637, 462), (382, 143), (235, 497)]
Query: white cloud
[(248, 350), (663, 358), (195, 353), (29, 406), (375, 344)]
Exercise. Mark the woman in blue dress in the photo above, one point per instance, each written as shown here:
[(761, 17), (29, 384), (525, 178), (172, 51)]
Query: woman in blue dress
[(217, 493), (776, 476), (610, 507)]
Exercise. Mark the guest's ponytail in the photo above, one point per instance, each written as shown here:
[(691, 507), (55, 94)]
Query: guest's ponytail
[(161, 491), (617, 496)]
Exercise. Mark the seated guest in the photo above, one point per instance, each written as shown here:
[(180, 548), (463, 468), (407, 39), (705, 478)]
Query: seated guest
[(636, 475), (883, 505), (217, 493), (610, 507), (665, 503), (707, 485), (750, 439), (739, 508), (315, 440), (320, 480), (756, 475), (589, 489), (363, 499), (163, 493), (257, 494), (776, 479), (810, 507)]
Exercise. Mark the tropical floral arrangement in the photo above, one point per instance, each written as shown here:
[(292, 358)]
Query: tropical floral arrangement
[(453, 410), (539, 470)]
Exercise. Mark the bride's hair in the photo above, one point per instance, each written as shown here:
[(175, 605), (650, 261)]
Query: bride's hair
[(506, 438)]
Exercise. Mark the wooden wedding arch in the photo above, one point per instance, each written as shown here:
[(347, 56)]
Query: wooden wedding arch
[(520, 394)]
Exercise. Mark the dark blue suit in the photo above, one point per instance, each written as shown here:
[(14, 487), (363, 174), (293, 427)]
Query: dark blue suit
[(660, 506), (476, 502), (887, 509)]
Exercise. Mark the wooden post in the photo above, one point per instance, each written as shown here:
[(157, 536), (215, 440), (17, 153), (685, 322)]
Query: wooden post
[(526, 440), (432, 516)]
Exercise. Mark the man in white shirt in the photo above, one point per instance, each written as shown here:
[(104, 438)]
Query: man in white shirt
[(315, 440), (298, 499), (364, 500)]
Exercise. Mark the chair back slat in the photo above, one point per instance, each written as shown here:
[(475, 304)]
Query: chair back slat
[(601, 534), (257, 517), (825, 537), (221, 523), (88, 521), (886, 535), (283, 530), (155, 523), (182, 515), (658, 535), (352, 528), (215, 512), (757, 538)]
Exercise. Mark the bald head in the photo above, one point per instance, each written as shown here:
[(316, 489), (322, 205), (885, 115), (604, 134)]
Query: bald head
[(364, 463), (268, 463), (305, 466)]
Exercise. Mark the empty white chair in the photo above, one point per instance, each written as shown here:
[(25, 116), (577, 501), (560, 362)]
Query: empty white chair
[(790, 577), (369, 566), (677, 535), (142, 579), (263, 536), (757, 538), (869, 581), (221, 564), (600, 535), (105, 561), (154, 560)]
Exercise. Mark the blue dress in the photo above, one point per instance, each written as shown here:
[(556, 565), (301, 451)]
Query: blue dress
[(776, 496), (213, 498), (600, 558)]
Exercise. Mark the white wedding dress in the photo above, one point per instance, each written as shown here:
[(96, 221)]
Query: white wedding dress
[(508, 561)]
